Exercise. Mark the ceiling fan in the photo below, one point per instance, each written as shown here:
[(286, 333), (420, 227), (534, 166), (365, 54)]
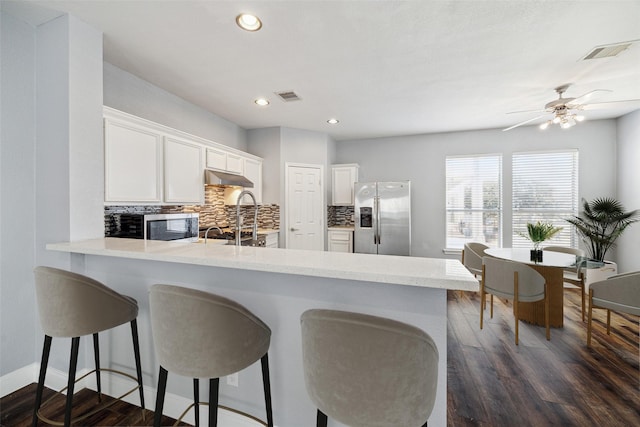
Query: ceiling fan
[(566, 111)]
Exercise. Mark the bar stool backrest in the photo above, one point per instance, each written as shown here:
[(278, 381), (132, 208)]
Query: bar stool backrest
[(201, 335), (364, 370), (73, 305)]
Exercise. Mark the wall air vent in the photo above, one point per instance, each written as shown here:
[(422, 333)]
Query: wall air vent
[(607, 51), (288, 96)]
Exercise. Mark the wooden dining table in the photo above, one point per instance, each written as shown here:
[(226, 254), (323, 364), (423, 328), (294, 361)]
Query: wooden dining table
[(552, 269)]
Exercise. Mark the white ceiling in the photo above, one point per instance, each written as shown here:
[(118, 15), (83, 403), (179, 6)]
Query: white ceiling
[(383, 68)]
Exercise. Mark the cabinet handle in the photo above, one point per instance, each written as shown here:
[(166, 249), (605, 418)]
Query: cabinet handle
[(295, 229)]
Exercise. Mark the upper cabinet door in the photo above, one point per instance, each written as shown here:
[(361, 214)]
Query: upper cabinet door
[(133, 163), (224, 161), (216, 159), (235, 163), (343, 178), (183, 177), (253, 172)]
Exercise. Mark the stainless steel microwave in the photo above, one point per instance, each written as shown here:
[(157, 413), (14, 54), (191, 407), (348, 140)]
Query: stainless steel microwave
[(167, 227)]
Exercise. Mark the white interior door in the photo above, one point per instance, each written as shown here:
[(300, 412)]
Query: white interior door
[(305, 225)]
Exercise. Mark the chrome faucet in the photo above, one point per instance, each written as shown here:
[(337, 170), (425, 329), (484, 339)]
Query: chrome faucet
[(206, 233), (239, 218)]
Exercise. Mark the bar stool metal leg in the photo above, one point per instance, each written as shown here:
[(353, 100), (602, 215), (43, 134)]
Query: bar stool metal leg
[(321, 419), (214, 383), (196, 400), (136, 352), (96, 356), (267, 388), (162, 387), (73, 363), (43, 373)]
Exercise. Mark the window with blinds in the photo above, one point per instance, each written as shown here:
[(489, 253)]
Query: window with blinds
[(545, 188), (474, 200)]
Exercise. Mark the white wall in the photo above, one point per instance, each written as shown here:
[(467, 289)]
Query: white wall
[(266, 143), (17, 194), (69, 154), (421, 159), (126, 92), (629, 189)]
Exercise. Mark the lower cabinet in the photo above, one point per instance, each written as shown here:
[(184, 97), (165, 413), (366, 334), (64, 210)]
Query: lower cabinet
[(340, 241), (272, 240)]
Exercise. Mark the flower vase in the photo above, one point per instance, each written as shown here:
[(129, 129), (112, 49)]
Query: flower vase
[(536, 255)]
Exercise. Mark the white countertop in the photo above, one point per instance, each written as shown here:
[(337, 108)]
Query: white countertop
[(342, 227), (400, 270)]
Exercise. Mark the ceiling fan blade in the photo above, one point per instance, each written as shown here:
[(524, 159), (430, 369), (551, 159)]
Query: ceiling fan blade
[(582, 99), (612, 104), (524, 123), (528, 111)]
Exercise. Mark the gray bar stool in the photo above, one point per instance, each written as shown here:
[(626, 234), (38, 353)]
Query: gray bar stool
[(368, 371), (200, 335), (72, 305)]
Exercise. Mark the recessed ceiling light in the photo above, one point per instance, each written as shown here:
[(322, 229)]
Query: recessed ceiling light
[(262, 102), (248, 22), (333, 121)]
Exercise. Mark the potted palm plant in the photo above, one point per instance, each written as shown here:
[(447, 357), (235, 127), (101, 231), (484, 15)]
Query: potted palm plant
[(600, 224), (602, 221), (538, 233)]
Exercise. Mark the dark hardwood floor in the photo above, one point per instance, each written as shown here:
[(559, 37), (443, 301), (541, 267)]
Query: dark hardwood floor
[(491, 381), (16, 410)]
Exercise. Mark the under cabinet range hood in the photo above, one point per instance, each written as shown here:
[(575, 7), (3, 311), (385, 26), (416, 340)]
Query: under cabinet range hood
[(223, 179)]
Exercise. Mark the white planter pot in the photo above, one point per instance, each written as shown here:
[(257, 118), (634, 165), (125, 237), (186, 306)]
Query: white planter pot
[(596, 274)]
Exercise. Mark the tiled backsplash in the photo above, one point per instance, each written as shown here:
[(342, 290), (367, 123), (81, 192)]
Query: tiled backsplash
[(213, 212), (340, 216)]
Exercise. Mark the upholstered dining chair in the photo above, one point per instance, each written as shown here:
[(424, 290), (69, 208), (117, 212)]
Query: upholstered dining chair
[(197, 334), (72, 305), (364, 370), (573, 275), (472, 254), (618, 293), (516, 281)]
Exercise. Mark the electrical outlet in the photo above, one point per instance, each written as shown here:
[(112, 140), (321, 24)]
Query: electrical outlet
[(233, 379)]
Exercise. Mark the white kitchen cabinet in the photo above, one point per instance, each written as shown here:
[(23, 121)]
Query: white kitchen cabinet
[(225, 161), (253, 172), (343, 178), (272, 240), (216, 159), (340, 241), (133, 162), (183, 177), (148, 163)]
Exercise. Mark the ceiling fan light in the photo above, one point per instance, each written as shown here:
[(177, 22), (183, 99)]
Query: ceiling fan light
[(556, 120), (579, 118), (545, 125), (567, 124)]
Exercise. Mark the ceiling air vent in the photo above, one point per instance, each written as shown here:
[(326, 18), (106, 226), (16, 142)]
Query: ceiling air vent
[(288, 96), (607, 51)]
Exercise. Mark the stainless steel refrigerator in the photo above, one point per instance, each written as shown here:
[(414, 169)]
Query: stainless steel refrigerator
[(383, 218)]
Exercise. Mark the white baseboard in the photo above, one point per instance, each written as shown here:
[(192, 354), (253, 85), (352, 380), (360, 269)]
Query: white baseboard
[(19, 378), (114, 385)]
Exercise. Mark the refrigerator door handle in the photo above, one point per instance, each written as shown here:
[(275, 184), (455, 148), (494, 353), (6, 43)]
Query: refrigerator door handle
[(377, 216), (374, 221)]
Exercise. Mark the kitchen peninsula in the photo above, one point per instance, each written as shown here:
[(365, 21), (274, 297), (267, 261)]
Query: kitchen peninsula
[(278, 285)]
